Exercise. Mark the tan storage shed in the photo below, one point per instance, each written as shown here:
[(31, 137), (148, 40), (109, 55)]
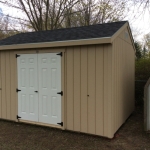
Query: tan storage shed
[(147, 106), (79, 79)]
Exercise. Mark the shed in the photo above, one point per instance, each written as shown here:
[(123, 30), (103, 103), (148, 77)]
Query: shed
[(79, 79), (147, 106)]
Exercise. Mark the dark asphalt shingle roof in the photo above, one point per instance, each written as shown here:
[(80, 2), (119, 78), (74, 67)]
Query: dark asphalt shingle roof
[(76, 33)]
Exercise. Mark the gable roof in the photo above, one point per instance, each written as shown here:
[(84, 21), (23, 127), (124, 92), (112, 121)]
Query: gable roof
[(87, 35), (80, 34)]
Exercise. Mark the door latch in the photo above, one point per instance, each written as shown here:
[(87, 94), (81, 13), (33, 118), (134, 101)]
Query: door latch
[(18, 117), (61, 93), (61, 123), (17, 90)]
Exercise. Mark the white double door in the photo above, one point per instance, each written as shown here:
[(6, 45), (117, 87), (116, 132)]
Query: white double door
[(39, 79)]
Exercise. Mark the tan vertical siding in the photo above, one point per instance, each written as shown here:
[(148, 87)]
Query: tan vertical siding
[(4, 90), (85, 89), (84, 102), (70, 88), (13, 85), (91, 90), (125, 35), (108, 91), (123, 80), (0, 88), (99, 90), (8, 85), (76, 92)]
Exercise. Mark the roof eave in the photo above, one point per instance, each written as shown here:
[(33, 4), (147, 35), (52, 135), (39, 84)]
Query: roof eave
[(91, 41)]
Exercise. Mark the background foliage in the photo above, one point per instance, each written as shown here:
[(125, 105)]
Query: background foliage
[(142, 68)]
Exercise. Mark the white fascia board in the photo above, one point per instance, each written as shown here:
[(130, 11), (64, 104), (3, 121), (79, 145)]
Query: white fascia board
[(103, 40)]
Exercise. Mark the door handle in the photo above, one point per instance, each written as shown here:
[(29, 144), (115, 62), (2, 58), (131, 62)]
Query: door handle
[(36, 91)]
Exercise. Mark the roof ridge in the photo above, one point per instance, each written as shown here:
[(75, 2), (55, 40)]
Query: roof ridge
[(74, 27)]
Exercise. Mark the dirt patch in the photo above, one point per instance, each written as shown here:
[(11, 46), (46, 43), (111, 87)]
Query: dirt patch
[(131, 136)]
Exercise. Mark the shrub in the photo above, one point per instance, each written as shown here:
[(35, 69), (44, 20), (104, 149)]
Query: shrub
[(142, 74), (142, 69)]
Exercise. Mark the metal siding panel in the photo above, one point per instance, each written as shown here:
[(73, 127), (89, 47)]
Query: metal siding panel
[(130, 81), (70, 90), (99, 90), (110, 129), (126, 82), (117, 103), (123, 76), (118, 100), (121, 80), (91, 89), (113, 102), (1, 88), (124, 93), (107, 92), (3, 68), (106, 122), (133, 77), (8, 97), (13, 86), (65, 91), (125, 36), (119, 83), (116, 85), (77, 86), (113, 86), (84, 69)]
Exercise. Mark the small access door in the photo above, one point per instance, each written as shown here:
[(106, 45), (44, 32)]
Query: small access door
[(39, 79), (27, 85)]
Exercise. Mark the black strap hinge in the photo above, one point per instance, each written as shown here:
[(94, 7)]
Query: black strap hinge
[(61, 93), (60, 123), (17, 90), (59, 54), (17, 55), (18, 117)]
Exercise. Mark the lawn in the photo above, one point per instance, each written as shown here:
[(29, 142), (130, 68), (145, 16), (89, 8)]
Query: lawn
[(15, 136)]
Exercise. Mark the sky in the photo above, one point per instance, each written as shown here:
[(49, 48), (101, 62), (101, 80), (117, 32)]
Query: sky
[(139, 21)]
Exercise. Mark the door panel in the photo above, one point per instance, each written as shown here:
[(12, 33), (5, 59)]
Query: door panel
[(27, 83), (42, 73), (49, 70)]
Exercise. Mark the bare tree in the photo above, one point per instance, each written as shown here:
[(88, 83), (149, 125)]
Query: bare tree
[(6, 28), (110, 10), (144, 3), (146, 41), (89, 12), (46, 14), (54, 14)]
